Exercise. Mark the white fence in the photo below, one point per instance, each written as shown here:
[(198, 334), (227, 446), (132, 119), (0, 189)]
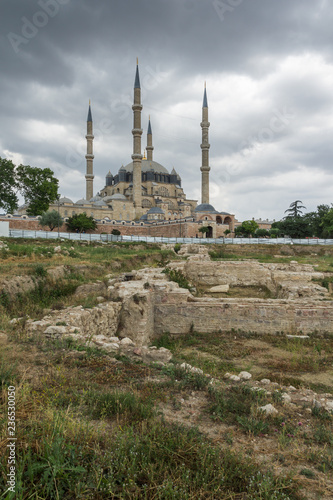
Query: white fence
[(16, 233)]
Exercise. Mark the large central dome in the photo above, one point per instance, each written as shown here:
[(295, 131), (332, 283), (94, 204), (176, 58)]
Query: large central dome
[(147, 165)]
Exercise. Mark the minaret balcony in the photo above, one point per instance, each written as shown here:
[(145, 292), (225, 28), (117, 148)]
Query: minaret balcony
[(137, 107), (90, 136), (90, 157), (137, 131), (205, 124)]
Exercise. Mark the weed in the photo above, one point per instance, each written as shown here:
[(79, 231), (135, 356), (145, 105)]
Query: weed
[(323, 435), (253, 425), (177, 247), (8, 373), (185, 378), (307, 473), (178, 277), (39, 271), (126, 404)]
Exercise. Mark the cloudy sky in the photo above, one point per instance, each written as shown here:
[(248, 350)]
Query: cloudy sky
[(269, 70)]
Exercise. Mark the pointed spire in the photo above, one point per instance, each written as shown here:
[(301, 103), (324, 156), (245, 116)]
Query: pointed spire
[(205, 102), (149, 127), (137, 78), (89, 119)]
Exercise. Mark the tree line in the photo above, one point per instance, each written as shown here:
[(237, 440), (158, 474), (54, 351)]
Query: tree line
[(295, 224)]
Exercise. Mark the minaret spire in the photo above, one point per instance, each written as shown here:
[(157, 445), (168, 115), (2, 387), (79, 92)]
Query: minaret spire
[(89, 157), (149, 142), (205, 168), (137, 132)]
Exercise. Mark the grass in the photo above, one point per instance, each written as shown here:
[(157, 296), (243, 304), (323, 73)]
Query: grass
[(91, 426)]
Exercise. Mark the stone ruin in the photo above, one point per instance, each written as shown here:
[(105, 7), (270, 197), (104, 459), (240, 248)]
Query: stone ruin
[(144, 304)]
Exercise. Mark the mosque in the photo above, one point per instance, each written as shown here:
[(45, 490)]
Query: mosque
[(144, 192)]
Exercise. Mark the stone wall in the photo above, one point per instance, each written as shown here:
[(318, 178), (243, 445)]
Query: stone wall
[(179, 229), (247, 315)]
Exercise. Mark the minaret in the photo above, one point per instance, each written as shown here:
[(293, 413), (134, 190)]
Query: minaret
[(149, 142), (89, 157), (205, 151), (137, 132)]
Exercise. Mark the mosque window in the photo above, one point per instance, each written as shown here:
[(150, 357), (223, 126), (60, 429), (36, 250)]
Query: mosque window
[(124, 206), (146, 203), (163, 191), (127, 216), (65, 212)]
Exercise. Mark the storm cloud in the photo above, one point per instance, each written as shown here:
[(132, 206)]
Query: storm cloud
[(269, 72)]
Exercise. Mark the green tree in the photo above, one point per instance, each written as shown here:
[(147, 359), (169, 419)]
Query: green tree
[(249, 227), (38, 186), (8, 186), (115, 232), (203, 229), (261, 233), (80, 223), (295, 227), (327, 224), (295, 209), (51, 219), (274, 232), (315, 220)]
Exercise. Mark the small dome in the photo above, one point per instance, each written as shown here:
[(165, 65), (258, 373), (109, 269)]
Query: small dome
[(109, 174), (144, 217), (82, 202), (95, 198), (206, 207), (99, 203), (155, 210), (65, 200), (117, 196)]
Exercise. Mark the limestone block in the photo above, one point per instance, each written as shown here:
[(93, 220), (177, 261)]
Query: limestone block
[(56, 331), (126, 341), (268, 409), (57, 249), (219, 289), (160, 355), (265, 381), (235, 378), (90, 288), (245, 375), (110, 347)]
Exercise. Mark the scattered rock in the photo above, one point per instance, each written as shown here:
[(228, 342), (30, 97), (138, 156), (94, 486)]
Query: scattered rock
[(245, 375), (55, 331), (126, 341), (265, 381), (57, 249), (286, 398), (268, 409), (191, 368), (235, 378)]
